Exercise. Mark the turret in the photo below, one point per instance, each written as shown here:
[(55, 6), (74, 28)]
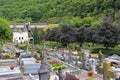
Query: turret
[(14, 27), (15, 32)]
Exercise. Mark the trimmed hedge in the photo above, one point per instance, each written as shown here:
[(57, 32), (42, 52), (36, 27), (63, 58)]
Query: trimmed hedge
[(104, 51)]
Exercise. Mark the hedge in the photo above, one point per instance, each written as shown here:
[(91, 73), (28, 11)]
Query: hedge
[(104, 51)]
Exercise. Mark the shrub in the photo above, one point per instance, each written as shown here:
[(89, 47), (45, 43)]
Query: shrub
[(91, 79), (38, 48), (23, 46), (6, 56), (38, 56), (53, 44)]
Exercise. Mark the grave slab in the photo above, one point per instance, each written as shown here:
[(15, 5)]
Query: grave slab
[(6, 72)]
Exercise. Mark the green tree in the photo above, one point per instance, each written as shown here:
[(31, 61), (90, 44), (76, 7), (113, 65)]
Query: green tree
[(80, 35), (90, 34), (36, 36), (67, 35), (108, 35), (5, 30)]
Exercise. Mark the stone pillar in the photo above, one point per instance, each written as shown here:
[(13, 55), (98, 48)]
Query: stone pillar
[(107, 72), (84, 60), (100, 58), (106, 68)]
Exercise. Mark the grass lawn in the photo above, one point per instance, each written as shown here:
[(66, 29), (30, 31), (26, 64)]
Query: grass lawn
[(94, 55)]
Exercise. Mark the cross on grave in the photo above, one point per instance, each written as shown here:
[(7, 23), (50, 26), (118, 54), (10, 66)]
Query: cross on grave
[(43, 71)]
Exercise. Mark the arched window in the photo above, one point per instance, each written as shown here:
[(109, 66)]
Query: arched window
[(22, 38)]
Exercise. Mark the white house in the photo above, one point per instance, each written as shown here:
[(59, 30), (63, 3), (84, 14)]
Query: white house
[(21, 36)]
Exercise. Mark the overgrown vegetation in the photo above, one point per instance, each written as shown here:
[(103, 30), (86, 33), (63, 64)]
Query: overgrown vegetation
[(73, 12)]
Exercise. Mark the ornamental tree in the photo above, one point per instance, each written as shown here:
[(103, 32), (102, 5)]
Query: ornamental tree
[(107, 35), (36, 36)]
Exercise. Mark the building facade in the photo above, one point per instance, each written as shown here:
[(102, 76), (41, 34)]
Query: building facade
[(21, 35)]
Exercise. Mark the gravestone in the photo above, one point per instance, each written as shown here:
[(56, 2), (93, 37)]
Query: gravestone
[(70, 61), (84, 60), (60, 74), (7, 62), (43, 71), (29, 65), (7, 72)]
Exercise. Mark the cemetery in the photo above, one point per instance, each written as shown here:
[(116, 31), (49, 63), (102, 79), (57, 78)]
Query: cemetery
[(60, 64), (26, 61), (60, 40)]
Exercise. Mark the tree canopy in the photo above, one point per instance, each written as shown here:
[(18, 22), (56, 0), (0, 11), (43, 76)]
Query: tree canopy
[(5, 30), (56, 10), (107, 35)]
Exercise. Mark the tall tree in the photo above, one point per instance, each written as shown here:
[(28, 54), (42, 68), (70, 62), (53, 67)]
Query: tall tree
[(67, 35), (36, 36)]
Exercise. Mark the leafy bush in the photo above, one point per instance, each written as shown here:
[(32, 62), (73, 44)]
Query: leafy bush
[(53, 44), (76, 45), (6, 56), (60, 66), (38, 48), (23, 46), (91, 79), (38, 56)]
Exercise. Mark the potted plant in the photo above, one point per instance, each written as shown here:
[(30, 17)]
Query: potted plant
[(12, 67), (37, 61), (90, 73)]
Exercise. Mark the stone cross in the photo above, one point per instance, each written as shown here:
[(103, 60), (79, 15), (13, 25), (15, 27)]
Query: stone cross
[(84, 60), (100, 58)]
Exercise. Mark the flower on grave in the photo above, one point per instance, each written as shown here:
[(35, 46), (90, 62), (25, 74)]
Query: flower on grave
[(12, 67), (53, 62), (90, 73)]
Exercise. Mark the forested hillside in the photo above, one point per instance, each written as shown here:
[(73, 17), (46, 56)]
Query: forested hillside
[(54, 11)]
